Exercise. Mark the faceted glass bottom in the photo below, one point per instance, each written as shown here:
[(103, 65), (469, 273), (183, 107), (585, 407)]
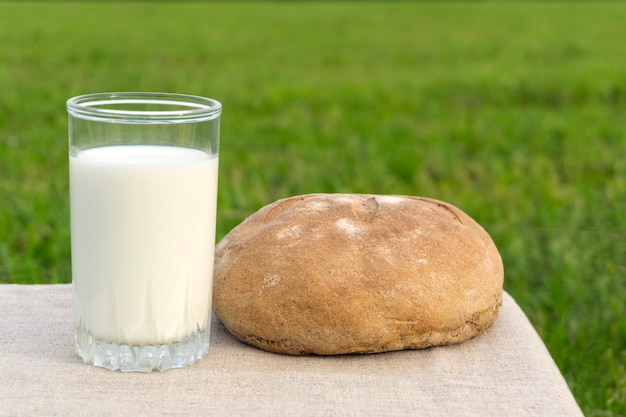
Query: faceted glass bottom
[(147, 358)]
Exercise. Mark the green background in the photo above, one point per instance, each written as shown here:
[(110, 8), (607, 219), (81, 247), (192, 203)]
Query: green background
[(514, 112)]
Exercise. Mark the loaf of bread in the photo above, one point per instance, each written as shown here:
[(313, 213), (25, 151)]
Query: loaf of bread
[(350, 273)]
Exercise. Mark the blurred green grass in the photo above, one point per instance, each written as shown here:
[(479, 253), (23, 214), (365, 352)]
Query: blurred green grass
[(514, 112)]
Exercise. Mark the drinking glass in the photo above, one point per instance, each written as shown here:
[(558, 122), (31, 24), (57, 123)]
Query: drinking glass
[(143, 193)]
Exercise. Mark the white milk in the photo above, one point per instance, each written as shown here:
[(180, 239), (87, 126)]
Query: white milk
[(143, 236)]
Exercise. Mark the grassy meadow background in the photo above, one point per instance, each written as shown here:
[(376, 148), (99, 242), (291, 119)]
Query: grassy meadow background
[(515, 112)]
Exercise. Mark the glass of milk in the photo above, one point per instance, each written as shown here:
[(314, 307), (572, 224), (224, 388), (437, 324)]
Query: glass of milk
[(143, 191)]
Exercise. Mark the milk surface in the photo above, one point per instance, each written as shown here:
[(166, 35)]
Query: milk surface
[(143, 236)]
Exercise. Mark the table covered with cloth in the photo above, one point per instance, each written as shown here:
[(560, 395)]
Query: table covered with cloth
[(506, 371)]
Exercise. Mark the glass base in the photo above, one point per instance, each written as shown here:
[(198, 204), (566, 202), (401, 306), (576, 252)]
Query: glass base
[(147, 358)]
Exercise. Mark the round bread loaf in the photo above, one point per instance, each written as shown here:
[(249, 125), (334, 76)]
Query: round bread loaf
[(350, 273)]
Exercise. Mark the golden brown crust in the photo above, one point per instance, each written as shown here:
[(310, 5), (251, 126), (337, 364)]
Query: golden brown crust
[(351, 273)]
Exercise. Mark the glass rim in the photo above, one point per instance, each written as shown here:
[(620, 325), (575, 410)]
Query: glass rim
[(191, 108)]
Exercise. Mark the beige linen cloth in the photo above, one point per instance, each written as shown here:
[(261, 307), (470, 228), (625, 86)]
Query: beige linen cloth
[(506, 371)]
